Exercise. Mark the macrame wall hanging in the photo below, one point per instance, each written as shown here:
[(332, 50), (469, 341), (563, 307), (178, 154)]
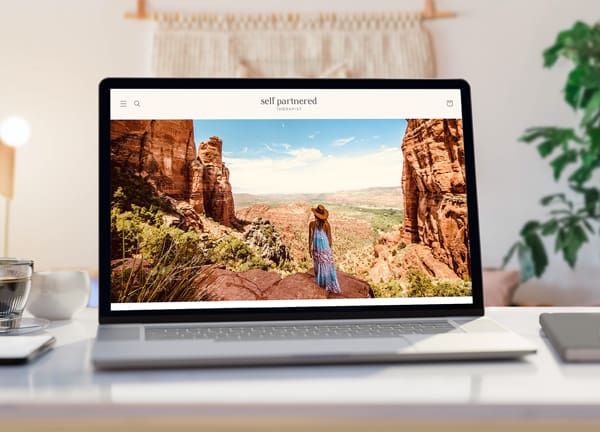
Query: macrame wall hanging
[(374, 45)]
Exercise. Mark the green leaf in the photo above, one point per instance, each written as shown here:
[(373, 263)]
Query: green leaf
[(592, 111), (538, 252), (573, 239), (594, 135), (551, 54), (551, 138), (582, 174), (526, 266), (573, 87), (565, 39), (588, 226), (591, 199), (591, 78), (587, 95), (548, 199), (559, 164), (549, 227), (510, 254), (545, 148), (560, 240), (531, 134), (530, 227)]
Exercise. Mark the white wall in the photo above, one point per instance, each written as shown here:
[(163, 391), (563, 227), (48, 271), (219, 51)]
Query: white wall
[(54, 54), (3, 203)]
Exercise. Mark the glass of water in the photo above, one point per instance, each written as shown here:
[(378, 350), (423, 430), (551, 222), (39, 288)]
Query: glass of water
[(15, 284)]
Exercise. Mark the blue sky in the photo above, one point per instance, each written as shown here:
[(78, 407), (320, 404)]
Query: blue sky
[(308, 155)]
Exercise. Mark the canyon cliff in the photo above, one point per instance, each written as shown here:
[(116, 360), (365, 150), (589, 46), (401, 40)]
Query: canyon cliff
[(434, 189), (163, 153), (218, 199)]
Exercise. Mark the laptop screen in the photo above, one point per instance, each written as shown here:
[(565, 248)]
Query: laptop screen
[(245, 198)]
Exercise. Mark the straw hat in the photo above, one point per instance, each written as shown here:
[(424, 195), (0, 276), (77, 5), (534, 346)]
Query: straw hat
[(320, 212)]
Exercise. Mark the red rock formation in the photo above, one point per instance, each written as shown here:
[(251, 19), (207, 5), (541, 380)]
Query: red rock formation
[(434, 188), (299, 286), (262, 285), (261, 278), (394, 259), (163, 152), (159, 149), (226, 285), (218, 198), (196, 188), (303, 286)]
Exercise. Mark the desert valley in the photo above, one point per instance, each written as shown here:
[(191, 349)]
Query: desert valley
[(179, 232)]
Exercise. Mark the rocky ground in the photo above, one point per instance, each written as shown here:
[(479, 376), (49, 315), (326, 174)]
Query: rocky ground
[(222, 284), (393, 259)]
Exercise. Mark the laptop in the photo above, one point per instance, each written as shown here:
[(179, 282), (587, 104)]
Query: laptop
[(289, 221)]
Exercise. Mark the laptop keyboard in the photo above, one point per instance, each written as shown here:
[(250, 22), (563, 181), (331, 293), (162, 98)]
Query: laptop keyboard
[(282, 332)]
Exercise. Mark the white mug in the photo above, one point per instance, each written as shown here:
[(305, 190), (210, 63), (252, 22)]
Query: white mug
[(58, 295)]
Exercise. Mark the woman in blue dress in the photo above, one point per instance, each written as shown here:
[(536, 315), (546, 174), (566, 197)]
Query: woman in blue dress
[(319, 246)]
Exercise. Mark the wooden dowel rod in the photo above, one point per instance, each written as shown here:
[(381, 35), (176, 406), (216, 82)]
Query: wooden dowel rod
[(151, 16)]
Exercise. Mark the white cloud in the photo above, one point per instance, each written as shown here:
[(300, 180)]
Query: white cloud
[(306, 154), (308, 171), (340, 142), (281, 148)]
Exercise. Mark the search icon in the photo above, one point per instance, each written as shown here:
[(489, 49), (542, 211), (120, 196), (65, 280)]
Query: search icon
[(136, 103)]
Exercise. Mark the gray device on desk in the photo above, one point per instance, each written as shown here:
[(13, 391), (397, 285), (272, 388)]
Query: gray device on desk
[(289, 221), (21, 349), (575, 336)]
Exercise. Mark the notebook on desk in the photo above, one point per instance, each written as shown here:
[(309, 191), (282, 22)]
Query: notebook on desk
[(575, 336), (283, 221)]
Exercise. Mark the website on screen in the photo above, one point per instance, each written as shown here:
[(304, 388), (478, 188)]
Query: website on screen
[(258, 198)]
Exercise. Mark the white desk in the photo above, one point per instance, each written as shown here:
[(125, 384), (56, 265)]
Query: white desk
[(539, 388)]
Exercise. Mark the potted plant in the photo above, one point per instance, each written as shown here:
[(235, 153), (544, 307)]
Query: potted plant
[(574, 156)]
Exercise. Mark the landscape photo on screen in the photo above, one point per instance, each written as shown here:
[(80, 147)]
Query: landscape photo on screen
[(294, 209)]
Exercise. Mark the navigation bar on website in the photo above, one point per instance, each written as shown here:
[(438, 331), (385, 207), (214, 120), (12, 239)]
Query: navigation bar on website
[(149, 104)]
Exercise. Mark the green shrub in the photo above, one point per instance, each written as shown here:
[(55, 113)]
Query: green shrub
[(422, 285), (385, 219), (140, 232), (236, 255), (388, 289), (419, 284), (177, 279), (453, 289)]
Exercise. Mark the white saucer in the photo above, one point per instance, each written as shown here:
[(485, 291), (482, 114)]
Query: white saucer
[(26, 325)]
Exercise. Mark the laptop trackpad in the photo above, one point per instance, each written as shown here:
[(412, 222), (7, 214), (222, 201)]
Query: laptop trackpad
[(119, 333)]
